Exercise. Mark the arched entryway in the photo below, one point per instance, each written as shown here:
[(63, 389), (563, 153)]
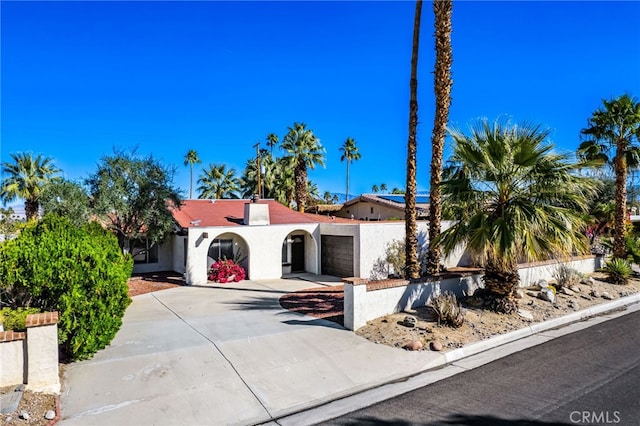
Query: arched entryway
[(229, 246), (299, 253)]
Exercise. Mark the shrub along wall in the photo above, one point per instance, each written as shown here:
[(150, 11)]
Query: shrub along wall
[(78, 271)]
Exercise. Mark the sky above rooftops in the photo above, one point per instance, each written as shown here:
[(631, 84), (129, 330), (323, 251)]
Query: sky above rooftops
[(81, 78)]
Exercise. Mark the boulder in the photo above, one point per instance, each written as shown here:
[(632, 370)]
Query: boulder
[(606, 295), (523, 313), (436, 346), (414, 345), (566, 291), (50, 415), (547, 294), (409, 321), (595, 293)]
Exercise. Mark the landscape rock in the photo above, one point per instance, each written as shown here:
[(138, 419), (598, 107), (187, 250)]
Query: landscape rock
[(595, 293), (532, 293), (414, 345), (436, 346), (575, 289), (525, 314), (586, 296), (409, 321), (565, 290), (24, 415), (588, 281), (50, 415), (606, 295), (543, 284), (547, 294), (573, 304), (519, 294)]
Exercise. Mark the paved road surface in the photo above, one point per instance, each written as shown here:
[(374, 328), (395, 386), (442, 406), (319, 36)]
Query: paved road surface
[(588, 377)]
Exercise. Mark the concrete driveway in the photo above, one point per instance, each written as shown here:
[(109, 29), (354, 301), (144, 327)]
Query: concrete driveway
[(225, 354)]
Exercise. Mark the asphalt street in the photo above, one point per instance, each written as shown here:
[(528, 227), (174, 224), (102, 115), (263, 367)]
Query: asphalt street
[(588, 377)]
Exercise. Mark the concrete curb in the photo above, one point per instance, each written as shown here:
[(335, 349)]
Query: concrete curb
[(299, 416)]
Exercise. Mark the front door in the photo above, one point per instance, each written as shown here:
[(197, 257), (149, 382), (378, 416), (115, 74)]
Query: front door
[(297, 254)]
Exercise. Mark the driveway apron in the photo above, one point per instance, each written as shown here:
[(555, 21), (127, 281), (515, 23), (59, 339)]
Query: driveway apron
[(225, 354)]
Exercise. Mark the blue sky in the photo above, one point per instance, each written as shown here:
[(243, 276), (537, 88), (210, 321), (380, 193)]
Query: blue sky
[(80, 78)]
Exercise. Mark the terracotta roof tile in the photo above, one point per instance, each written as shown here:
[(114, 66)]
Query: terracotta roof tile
[(205, 213)]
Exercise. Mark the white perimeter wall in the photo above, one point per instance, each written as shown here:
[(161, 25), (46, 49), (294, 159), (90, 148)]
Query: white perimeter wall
[(362, 305)]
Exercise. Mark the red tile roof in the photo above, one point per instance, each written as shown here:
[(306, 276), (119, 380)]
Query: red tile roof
[(204, 213)]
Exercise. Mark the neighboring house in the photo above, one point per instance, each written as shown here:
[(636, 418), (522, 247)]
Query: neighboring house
[(381, 207), (270, 240)]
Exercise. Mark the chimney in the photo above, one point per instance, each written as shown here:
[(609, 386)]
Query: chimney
[(256, 213)]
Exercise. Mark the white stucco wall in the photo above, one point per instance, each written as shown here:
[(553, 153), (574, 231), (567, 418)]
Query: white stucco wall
[(165, 259), (362, 210), (263, 249), (361, 305), (12, 363), (179, 261)]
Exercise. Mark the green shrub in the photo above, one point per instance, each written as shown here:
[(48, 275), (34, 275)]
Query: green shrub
[(448, 309), (78, 271), (14, 319), (619, 270)]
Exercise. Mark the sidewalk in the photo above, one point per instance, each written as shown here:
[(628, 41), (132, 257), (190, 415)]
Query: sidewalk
[(232, 355)]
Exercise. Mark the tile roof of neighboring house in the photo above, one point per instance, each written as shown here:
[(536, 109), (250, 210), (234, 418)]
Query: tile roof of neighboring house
[(203, 213)]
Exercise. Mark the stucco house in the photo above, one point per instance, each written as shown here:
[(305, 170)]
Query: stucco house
[(381, 207), (270, 241)]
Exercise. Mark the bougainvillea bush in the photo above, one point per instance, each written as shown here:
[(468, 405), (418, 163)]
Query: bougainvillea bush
[(225, 271)]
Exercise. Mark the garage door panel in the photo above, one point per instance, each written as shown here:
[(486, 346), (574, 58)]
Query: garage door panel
[(337, 255)]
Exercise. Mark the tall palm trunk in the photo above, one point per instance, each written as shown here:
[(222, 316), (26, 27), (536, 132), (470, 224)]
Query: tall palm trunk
[(620, 161), (442, 88), (31, 208), (301, 185), (412, 267), (347, 199), (501, 280), (191, 181)]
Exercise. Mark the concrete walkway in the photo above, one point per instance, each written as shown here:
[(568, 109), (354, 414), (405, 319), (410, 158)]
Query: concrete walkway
[(229, 354)]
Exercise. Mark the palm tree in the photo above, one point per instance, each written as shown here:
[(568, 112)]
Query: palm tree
[(442, 79), (191, 158), (218, 182), (374, 189), (272, 140), (27, 177), (305, 152), (412, 266), (350, 153), (383, 187), (616, 126), (513, 200)]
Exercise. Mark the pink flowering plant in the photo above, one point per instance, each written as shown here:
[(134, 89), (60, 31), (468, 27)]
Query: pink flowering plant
[(225, 271)]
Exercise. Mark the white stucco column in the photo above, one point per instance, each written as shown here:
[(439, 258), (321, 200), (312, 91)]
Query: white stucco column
[(42, 352), (199, 240), (355, 292)]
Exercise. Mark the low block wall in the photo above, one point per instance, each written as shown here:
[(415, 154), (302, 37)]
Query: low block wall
[(365, 300), (31, 357)]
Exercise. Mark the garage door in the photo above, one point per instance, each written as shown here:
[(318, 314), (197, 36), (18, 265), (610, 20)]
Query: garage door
[(337, 255)]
